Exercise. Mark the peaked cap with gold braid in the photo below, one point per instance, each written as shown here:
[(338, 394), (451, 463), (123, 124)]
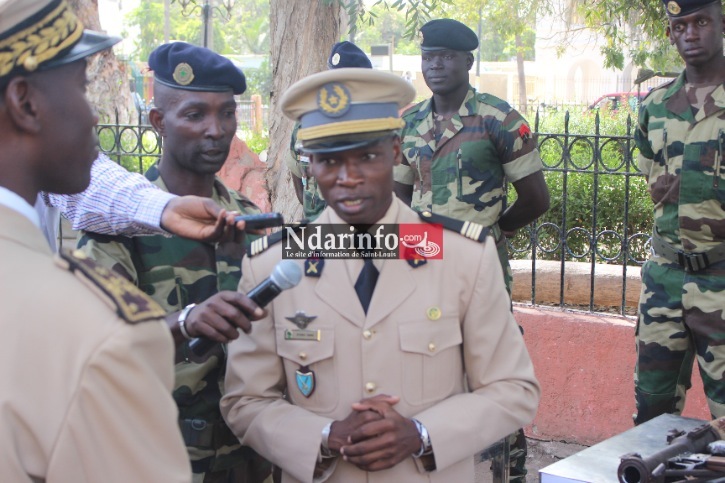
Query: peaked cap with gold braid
[(42, 34), (346, 108), (471, 230)]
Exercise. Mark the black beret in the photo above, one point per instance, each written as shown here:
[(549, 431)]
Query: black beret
[(679, 8), (188, 67), (445, 33), (347, 54)]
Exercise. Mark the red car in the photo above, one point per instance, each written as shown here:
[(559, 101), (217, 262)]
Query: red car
[(613, 101)]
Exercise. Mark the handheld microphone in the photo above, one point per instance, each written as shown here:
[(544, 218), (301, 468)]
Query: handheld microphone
[(286, 274)]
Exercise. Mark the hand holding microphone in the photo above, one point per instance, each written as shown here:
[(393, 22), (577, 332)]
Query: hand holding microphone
[(286, 274)]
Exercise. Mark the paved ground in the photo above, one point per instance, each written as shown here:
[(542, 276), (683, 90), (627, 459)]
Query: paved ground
[(541, 454)]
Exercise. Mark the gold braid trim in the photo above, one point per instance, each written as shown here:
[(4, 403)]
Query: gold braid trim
[(349, 127), (42, 41)]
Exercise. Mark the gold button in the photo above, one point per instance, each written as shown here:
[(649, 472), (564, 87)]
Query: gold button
[(432, 347), (367, 334), (370, 387), (303, 355)]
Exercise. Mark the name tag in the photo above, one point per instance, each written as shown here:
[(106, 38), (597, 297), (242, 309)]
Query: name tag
[(302, 334)]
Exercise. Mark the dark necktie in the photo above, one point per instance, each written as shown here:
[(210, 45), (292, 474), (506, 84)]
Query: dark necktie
[(365, 284)]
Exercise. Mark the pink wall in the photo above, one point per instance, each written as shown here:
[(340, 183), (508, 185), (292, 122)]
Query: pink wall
[(585, 365)]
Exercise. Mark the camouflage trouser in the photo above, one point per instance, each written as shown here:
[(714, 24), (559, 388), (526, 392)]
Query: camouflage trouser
[(516, 440), (681, 315), (517, 457)]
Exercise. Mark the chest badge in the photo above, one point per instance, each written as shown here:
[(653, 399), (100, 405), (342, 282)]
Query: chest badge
[(302, 320), (305, 378)]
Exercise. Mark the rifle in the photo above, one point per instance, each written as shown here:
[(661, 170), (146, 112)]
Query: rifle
[(634, 468)]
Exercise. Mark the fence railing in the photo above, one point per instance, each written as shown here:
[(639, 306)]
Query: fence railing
[(600, 210)]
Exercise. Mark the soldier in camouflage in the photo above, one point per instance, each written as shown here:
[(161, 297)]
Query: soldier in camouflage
[(681, 141), (460, 145), (194, 282), (343, 55), (459, 148)]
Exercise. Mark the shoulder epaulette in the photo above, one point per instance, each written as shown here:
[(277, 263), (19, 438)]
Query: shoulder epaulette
[(131, 304), (262, 244), (469, 229), (493, 101)]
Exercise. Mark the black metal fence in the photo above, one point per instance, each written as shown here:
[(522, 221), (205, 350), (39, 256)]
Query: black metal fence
[(600, 211)]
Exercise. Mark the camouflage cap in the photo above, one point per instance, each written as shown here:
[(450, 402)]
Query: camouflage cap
[(187, 67), (446, 33), (680, 8), (343, 109), (43, 34)]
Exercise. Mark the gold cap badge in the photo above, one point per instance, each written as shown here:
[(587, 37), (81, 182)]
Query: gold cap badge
[(333, 99), (336, 59), (183, 74), (673, 7)]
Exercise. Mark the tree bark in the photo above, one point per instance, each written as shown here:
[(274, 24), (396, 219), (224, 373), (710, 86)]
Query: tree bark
[(523, 102), (108, 90), (301, 33)]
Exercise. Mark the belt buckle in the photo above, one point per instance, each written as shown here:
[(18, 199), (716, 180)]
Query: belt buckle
[(693, 262)]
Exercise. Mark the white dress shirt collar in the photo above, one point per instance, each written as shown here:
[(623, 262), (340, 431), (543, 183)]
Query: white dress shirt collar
[(15, 202)]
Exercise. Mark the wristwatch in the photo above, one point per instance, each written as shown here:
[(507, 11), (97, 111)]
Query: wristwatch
[(182, 321), (425, 445), (324, 448)]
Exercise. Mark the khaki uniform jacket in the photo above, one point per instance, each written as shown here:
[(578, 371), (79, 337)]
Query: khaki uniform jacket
[(84, 395), (466, 375)]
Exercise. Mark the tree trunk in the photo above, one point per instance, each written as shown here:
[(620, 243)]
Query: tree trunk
[(523, 102), (301, 33), (108, 90)]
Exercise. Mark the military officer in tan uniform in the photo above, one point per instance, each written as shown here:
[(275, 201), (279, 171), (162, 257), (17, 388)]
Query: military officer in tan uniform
[(86, 369), (376, 370)]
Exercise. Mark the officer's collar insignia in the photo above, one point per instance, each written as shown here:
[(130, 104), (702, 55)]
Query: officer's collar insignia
[(183, 74), (333, 99), (336, 58), (416, 260), (433, 313), (301, 319), (673, 8), (305, 381), (314, 266)]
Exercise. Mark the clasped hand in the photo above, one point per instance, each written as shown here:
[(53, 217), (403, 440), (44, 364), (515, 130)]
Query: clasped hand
[(374, 436)]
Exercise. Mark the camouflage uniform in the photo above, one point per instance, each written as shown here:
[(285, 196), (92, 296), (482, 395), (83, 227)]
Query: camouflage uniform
[(176, 272), (461, 175), (681, 310), (312, 201)]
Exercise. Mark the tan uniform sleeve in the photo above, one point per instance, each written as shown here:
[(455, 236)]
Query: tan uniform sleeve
[(254, 404), (504, 392), (122, 425)]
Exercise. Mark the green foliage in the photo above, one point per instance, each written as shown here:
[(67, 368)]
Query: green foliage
[(257, 142), (259, 81), (603, 181), (632, 29)]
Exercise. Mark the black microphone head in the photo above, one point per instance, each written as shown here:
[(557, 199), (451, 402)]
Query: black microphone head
[(286, 274)]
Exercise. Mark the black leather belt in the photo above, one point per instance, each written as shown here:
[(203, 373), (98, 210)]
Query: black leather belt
[(690, 262)]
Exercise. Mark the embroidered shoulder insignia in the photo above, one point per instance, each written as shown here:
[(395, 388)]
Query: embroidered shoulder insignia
[(474, 231), (260, 245), (131, 304)]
